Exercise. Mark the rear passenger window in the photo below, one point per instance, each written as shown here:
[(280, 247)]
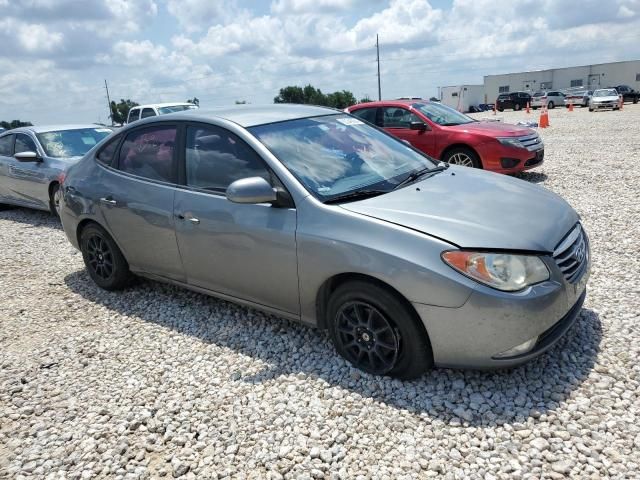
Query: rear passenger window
[(6, 145), (106, 155), (150, 153), (147, 112), (368, 114), (216, 157)]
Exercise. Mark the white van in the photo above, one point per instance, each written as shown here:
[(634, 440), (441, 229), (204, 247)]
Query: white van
[(152, 110)]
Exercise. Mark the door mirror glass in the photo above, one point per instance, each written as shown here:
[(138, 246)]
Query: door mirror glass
[(418, 126), (251, 190), (27, 157)]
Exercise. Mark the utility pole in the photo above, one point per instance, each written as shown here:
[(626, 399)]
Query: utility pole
[(106, 87), (378, 57)]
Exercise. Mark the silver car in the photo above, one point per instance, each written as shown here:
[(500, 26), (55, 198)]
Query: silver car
[(549, 99), (317, 216), (33, 159), (605, 98)]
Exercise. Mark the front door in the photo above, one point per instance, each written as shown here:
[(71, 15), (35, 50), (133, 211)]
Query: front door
[(397, 120), (29, 180), (136, 199), (247, 251)]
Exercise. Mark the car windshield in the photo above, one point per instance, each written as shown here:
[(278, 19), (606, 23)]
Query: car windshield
[(538, 94), (334, 155), (605, 93), (441, 114), (175, 108), (71, 143)]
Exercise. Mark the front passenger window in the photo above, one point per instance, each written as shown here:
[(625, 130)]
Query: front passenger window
[(215, 158), (24, 143), (150, 153)]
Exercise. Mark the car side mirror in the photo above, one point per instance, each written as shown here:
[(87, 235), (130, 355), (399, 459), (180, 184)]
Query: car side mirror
[(419, 126), (27, 157), (251, 190)]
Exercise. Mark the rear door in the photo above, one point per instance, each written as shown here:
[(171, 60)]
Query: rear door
[(136, 198), (247, 251), (397, 121), (134, 114)]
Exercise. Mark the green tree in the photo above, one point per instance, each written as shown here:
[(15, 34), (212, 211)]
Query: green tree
[(14, 124), (365, 99), (120, 111), (290, 95), (241, 102), (434, 99), (310, 95), (194, 100)]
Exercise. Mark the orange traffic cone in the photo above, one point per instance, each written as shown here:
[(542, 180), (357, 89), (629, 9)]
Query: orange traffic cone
[(621, 102), (495, 107), (544, 118), (528, 109), (571, 106)]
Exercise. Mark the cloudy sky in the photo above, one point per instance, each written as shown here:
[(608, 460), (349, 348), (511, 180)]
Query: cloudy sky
[(56, 54)]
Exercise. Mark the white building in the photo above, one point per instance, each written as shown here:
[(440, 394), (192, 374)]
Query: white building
[(592, 76), (461, 97)]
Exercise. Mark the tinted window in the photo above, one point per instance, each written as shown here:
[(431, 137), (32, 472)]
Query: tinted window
[(6, 145), (107, 153), (24, 143), (368, 114), (134, 114), (147, 112), (150, 153), (216, 157), (396, 117)]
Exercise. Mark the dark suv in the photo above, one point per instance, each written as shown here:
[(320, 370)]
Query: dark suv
[(628, 93), (515, 100)]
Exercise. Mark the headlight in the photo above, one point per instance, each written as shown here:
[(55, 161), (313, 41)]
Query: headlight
[(499, 270), (510, 142)]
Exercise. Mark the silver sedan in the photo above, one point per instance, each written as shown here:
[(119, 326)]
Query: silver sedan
[(33, 159), (317, 216)]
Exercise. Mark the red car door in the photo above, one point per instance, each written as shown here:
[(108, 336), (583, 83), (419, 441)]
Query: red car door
[(397, 121)]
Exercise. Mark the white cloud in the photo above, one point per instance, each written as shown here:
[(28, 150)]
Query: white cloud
[(37, 38)]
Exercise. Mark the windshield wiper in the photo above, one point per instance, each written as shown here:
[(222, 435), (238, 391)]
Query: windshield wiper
[(419, 173), (356, 195)]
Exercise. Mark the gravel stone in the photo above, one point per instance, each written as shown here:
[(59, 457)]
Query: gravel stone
[(160, 382)]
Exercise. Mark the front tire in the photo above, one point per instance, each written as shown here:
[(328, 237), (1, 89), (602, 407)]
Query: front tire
[(462, 156), (377, 332), (551, 106), (54, 200), (103, 259), (517, 107)]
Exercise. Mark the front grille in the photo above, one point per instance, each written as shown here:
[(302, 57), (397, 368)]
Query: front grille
[(531, 142), (572, 254)]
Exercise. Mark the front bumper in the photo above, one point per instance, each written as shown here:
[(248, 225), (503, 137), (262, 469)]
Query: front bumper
[(503, 159), (604, 105), (492, 322)]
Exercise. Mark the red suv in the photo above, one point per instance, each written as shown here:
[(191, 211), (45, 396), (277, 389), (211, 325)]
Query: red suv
[(446, 134)]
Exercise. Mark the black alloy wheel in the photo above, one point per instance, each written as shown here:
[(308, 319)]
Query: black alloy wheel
[(368, 338), (377, 331), (100, 257), (105, 263)]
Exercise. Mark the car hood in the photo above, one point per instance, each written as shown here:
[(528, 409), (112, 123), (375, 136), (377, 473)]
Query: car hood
[(494, 129), (475, 209)]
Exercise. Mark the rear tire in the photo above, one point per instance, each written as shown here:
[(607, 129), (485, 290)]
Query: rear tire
[(517, 107), (377, 332), (462, 156), (501, 109), (551, 105), (535, 108), (103, 259), (591, 109)]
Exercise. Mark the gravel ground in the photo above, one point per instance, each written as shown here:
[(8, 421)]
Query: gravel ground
[(162, 382)]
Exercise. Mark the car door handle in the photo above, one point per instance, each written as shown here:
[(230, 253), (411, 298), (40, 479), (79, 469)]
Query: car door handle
[(193, 220), (108, 201)]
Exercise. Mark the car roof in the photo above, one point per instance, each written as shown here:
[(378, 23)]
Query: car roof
[(253, 115), (160, 105), (390, 103), (55, 128)]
